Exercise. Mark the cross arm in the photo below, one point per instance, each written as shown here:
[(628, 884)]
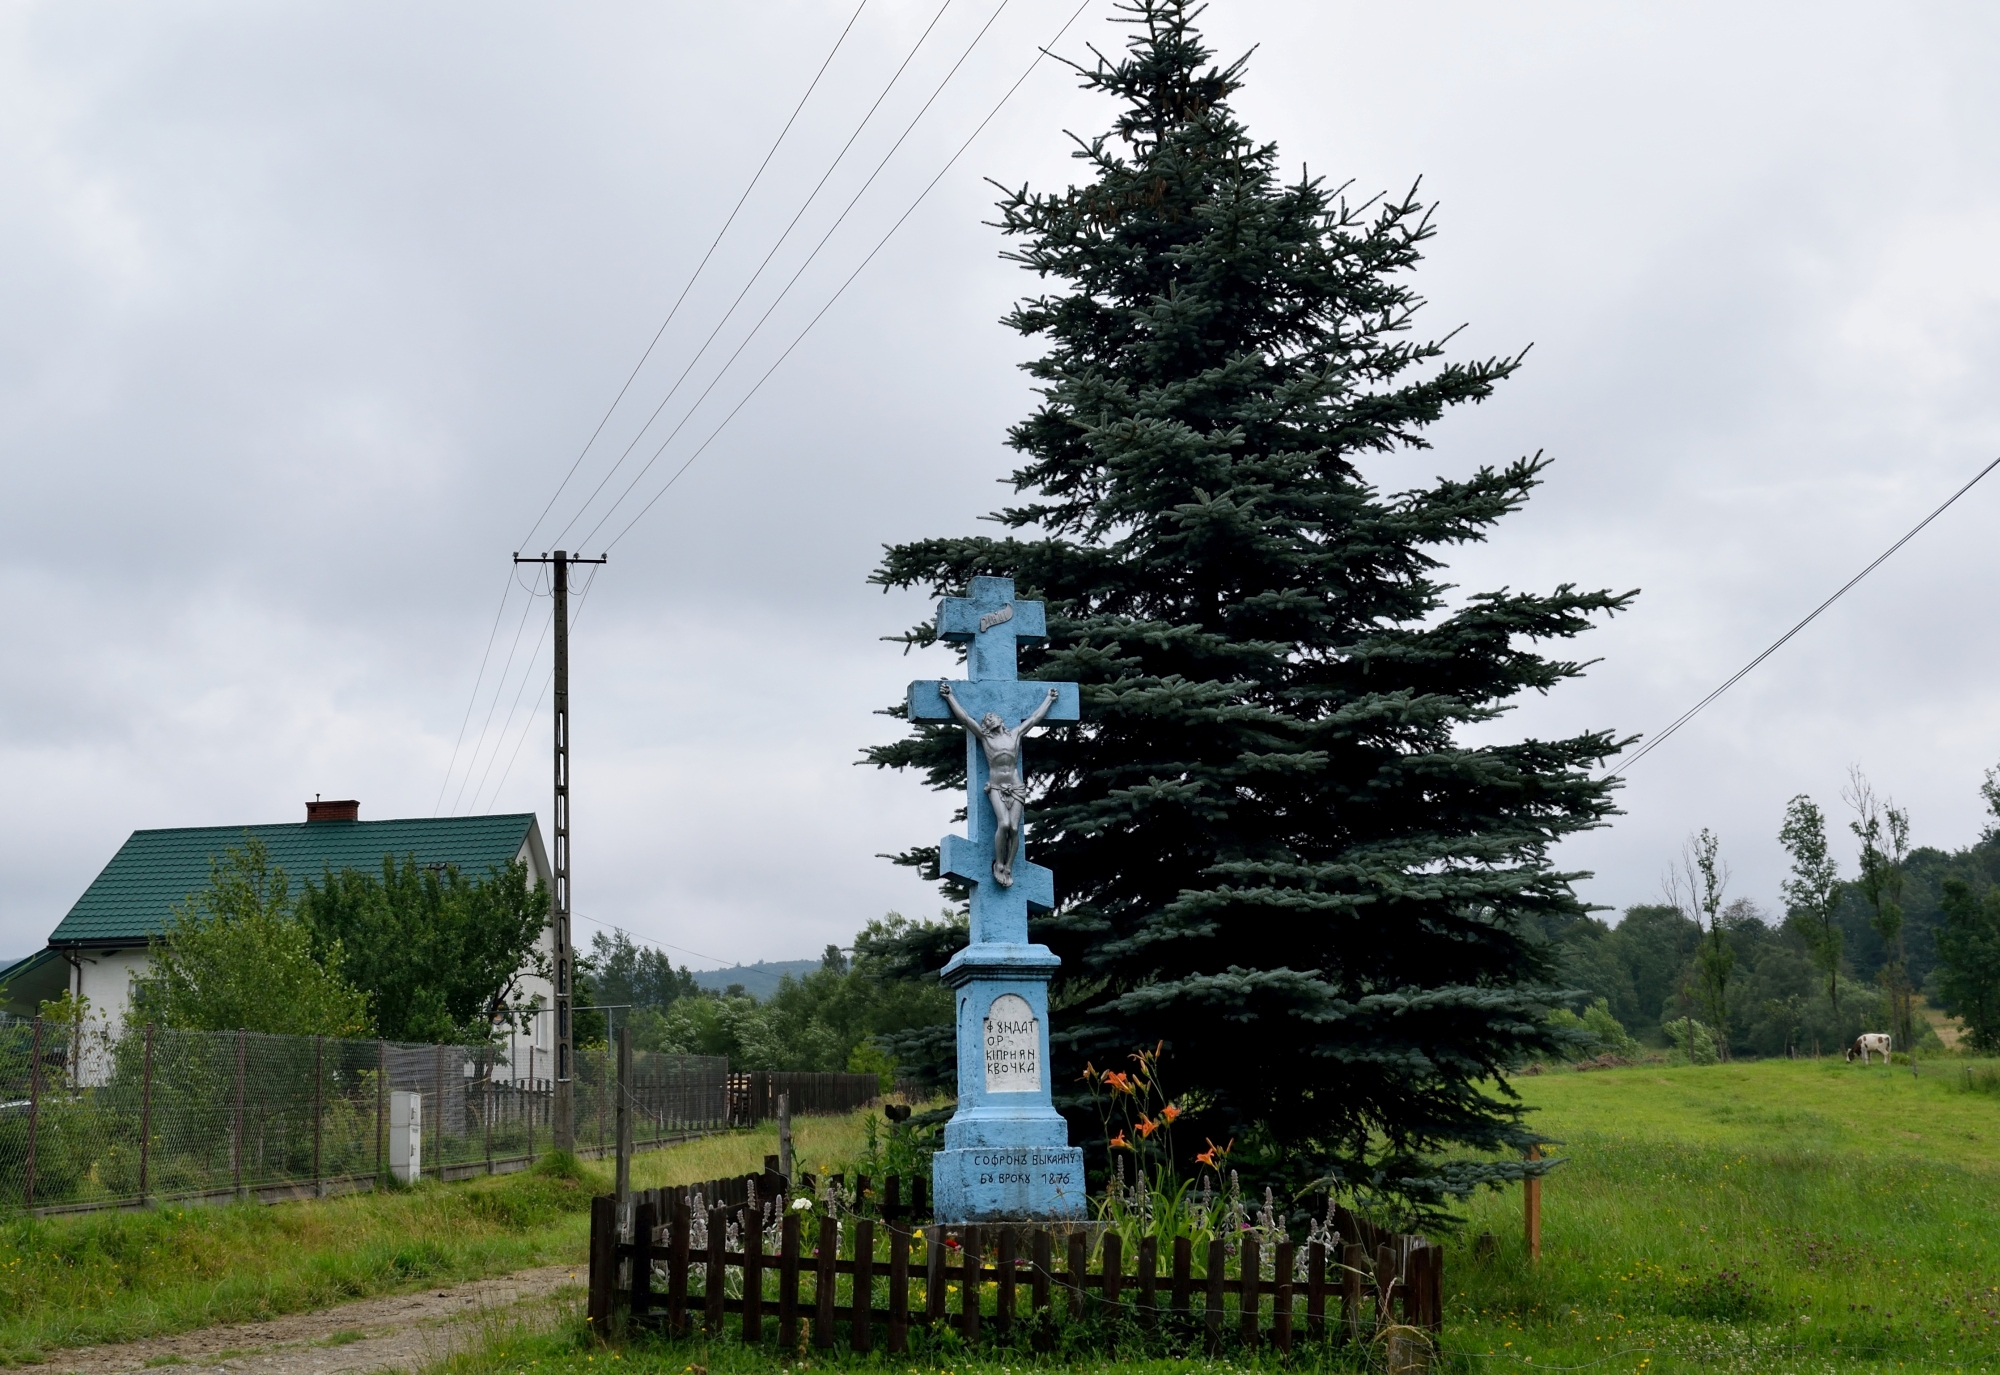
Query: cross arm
[(1013, 702)]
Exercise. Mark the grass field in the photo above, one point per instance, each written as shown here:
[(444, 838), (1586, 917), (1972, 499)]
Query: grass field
[(1808, 1216), (115, 1276), (1767, 1217)]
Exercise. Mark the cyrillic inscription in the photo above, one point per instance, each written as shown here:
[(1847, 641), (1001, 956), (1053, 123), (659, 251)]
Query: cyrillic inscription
[(1013, 1046)]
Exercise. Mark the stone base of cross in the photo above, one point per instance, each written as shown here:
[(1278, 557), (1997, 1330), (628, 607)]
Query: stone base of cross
[(1006, 1153)]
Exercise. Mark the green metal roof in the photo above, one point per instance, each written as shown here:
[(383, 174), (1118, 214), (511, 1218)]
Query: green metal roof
[(26, 984), (153, 870)]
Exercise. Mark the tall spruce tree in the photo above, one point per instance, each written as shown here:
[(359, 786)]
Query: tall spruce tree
[(1275, 851)]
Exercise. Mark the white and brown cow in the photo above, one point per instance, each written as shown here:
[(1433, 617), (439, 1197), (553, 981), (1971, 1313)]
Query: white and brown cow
[(1866, 1042)]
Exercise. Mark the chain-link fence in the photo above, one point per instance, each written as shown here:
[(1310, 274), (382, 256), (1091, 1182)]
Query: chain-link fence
[(89, 1118)]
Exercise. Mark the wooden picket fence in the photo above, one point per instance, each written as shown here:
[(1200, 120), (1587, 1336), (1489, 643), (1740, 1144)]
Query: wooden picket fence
[(834, 1280)]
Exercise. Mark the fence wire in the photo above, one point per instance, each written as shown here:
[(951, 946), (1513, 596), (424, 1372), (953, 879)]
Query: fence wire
[(100, 1119)]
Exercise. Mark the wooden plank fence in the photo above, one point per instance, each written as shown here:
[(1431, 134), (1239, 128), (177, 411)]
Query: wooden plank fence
[(870, 1279), (753, 1096)]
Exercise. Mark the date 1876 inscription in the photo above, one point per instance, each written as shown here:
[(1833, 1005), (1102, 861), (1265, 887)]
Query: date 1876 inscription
[(1013, 1046)]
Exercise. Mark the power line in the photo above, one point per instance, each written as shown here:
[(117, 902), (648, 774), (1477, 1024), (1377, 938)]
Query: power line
[(693, 277), (473, 700), (528, 726), (1811, 616), (499, 686), (757, 275), (527, 676), (1042, 52), (667, 945)]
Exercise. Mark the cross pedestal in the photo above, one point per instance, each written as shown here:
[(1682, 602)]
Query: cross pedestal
[(1006, 1153)]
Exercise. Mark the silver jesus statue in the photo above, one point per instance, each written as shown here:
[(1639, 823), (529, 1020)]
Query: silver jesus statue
[(1004, 787)]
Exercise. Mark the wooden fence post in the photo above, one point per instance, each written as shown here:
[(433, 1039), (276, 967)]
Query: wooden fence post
[(677, 1263), (1113, 1268), (1531, 1204), (1039, 1277), (1354, 1258), (711, 1299), (970, 1283), (825, 1282), (645, 1218), (861, 1335), (934, 1275), (1183, 1276), (1249, 1271), (1149, 1279), (146, 1115), (603, 1266), (753, 1275), (899, 1289), (1079, 1261), (1217, 1262), (788, 1282), (1281, 1312), (1004, 1302), (1316, 1291)]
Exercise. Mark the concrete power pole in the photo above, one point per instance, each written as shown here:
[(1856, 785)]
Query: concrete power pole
[(559, 910)]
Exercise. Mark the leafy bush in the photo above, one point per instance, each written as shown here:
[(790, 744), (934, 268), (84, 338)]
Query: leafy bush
[(1702, 1051), (1607, 1035)]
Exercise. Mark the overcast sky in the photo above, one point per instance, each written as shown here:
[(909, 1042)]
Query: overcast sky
[(306, 310)]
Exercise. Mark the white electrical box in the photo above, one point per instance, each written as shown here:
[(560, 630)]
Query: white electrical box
[(406, 1136)]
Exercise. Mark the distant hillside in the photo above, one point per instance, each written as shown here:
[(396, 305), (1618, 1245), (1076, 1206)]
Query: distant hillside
[(759, 980)]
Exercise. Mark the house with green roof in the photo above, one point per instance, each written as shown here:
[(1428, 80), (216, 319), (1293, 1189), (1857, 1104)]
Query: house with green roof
[(97, 949)]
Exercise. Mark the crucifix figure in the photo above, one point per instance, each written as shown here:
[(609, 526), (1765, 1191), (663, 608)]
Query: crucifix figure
[(1004, 788), (1006, 1155)]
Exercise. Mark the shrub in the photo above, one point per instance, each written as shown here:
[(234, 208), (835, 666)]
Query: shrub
[(1703, 1048)]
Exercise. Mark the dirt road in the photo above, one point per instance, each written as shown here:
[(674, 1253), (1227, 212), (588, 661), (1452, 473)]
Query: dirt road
[(401, 1332)]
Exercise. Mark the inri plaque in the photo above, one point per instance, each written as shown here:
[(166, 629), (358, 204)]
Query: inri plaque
[(1013, 1046)]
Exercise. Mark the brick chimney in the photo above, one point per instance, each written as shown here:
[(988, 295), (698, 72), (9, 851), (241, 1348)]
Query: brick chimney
[(350, 810)]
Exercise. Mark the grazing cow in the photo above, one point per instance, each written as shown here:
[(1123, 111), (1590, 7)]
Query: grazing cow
[(1868, 1041)]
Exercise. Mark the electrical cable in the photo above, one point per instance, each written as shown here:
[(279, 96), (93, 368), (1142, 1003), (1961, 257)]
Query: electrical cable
[(1780, 642), (716, 241), (666, 945), (527, 676), (757, 328), (473, 701), (527, 727), (499, 687), (841, 291), (758, 274)]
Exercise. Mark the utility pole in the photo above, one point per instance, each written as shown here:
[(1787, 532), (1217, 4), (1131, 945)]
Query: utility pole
[(559, 914)]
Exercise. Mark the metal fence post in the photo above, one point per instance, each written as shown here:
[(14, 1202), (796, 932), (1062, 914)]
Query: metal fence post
[(381, 1099), (319, 1108), (146, 1115), (533, 1095), (622, 1177), (437, 1135), (486, 1058), (242, 1040), (34, 1111)]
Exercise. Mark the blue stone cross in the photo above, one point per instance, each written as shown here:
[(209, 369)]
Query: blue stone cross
[(1007, 1155)]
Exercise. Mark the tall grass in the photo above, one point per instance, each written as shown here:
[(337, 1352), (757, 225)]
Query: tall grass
[(116, 1276)]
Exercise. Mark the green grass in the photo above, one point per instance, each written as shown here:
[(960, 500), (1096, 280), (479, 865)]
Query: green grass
[(85, 1278), (1769, 1217)]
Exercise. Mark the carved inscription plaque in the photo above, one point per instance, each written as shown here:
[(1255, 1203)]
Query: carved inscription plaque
[(1013, 1046)]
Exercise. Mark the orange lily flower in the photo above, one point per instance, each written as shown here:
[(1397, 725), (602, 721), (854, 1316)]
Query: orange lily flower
[(1147, 1126), (1169, 1113), (1117, 1081), (1119, 1143)]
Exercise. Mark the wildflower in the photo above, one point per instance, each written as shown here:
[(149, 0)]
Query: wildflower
[(1147, 1126), (1117, 1081), (801, 1205), (1119, 1143), (1169, 1113)]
